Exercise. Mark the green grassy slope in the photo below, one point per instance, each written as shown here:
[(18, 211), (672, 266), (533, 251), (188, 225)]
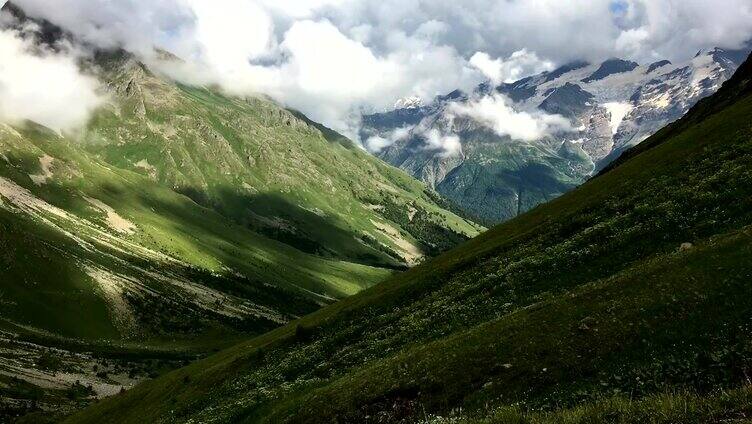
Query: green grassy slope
[(57, 240), (92, 256), (268, 169), (635, 283), (100, 261), (496, 183), (665, 408)]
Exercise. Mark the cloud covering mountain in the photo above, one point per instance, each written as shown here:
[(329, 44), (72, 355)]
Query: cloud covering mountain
[(334, 58), (43, 85)]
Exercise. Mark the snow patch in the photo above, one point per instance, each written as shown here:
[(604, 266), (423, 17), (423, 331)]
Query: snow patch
[(411, 102), (618, 111)]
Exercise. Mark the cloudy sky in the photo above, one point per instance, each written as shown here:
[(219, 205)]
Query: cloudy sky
[(334, 58)]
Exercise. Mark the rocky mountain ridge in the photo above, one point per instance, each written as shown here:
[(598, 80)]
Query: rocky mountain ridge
[(611, 106)]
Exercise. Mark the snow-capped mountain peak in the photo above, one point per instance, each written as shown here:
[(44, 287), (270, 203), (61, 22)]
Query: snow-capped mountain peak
[(611, 106), (411, 102)]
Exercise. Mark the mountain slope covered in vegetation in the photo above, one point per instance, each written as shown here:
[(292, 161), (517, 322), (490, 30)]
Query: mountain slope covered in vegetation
[(179, 221), (633, 285), (268, 169)]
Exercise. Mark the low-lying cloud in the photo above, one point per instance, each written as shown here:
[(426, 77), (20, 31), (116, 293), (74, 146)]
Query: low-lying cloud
[(495, 112), (441, 141), (44, 86), (377, 143), (498, 114), (447, 144)]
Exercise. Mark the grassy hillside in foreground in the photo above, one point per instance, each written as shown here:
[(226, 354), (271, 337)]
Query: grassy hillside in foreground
[(636, 283), (666, 408)]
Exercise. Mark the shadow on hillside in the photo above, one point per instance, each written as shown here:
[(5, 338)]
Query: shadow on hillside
[(244, 261), (276, 217), (41, 284)]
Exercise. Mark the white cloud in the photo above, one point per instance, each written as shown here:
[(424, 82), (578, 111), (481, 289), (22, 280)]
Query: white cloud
[(229, 33), (496, 112), (677, 28), (43, 86), (518, 65), (443, 141), (448, 144), (377, 143), (300, 8), (334, 58), (329, 76), (137, 25), (316, 50)]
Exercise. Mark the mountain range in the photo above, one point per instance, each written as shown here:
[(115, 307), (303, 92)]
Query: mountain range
[(494, 175)]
